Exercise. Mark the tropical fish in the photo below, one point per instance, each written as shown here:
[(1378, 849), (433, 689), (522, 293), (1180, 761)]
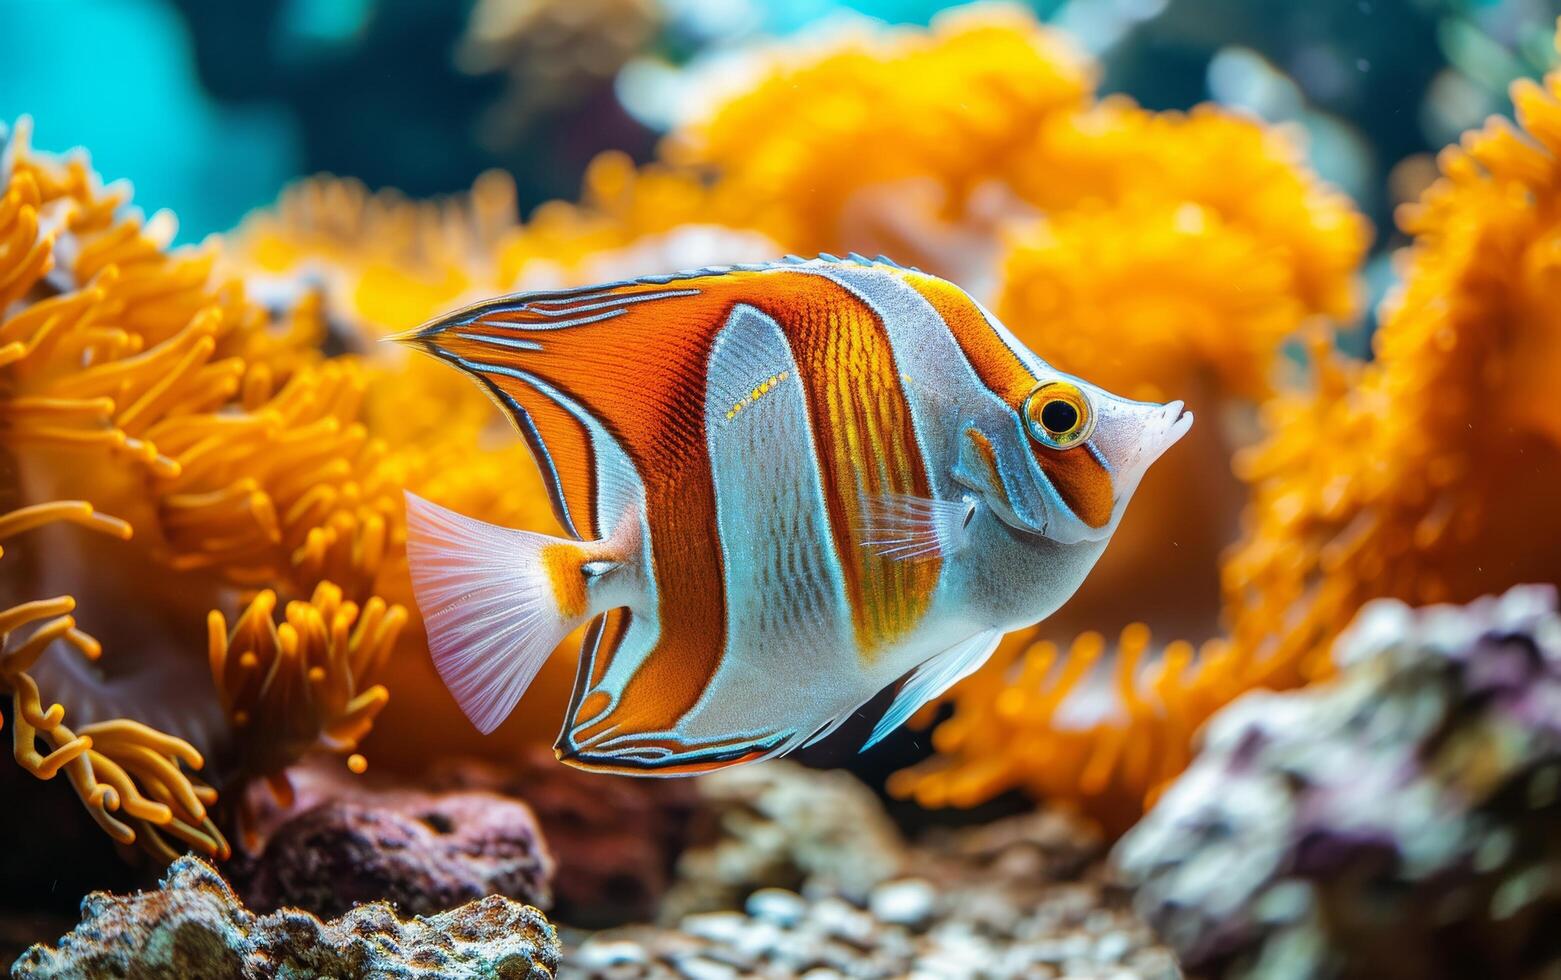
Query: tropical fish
[(786, 487)]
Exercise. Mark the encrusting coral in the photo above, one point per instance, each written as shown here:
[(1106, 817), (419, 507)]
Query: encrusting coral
[(194, 926), (169, 446), (1397, 821), (1425, 475)]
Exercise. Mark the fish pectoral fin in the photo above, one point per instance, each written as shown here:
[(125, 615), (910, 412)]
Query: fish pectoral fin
[(495, 603), (904, 527), (932, 678)]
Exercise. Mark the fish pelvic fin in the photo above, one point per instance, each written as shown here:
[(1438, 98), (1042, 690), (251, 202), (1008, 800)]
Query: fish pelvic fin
[(496, 602), (933, 678)]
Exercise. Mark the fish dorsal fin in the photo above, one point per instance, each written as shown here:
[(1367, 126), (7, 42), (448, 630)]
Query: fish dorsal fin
[(599, 379)]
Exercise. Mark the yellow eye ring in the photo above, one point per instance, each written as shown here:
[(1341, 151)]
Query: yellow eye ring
[(1058, 414)]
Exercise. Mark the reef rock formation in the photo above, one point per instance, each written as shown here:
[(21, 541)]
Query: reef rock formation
[(1024, 897), (348, 841), (1397, 822), (194, 926), (614, 840), (776, 825)]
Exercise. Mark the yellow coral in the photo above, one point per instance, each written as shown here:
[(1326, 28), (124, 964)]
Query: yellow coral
[(1176, 246), (1427, 474), (936, 109), (112, 765), (134, 382)]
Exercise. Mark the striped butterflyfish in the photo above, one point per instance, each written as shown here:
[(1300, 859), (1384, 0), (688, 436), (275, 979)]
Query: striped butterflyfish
[(785, 487)]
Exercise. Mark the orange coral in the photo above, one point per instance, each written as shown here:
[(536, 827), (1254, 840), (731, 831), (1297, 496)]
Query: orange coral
[(135, 382), (926, 117), (1106, 284), (112, 765), (1426, 475)]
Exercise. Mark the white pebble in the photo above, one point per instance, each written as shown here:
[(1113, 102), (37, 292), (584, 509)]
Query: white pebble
[(699, 968), (717, 927), (613, 953), (907, 903), (777, 905)]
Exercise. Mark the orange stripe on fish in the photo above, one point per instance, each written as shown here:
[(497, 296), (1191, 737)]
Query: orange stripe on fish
[(657, 418), (602, 640), (866, 445), (998, 367), (1080, 479)]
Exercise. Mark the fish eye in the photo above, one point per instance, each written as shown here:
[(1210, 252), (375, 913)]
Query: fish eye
[(1058, 414)]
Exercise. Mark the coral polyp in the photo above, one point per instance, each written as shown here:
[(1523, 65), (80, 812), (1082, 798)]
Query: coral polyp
[(291, 686)]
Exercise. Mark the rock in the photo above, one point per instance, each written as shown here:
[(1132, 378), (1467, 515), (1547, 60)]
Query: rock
[(1399, 821), (423, 852), (1025, 897), (615, 839), (193, 926), (777, 824)]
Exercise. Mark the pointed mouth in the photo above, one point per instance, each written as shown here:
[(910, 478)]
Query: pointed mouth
[(1165, 430), (1177, 421)]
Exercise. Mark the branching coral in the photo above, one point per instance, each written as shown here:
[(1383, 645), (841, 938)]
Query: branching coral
[(1425, 475), (133, 382)]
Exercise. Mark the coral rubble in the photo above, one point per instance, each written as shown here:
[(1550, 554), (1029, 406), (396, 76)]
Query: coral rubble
[(778, 825), (1022, 897), (194, 926), (1398, 821)]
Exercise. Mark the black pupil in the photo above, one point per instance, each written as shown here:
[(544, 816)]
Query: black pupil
[(1059, 416)]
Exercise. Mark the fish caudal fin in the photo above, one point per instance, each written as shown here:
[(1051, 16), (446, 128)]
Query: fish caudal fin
[(495, 603)]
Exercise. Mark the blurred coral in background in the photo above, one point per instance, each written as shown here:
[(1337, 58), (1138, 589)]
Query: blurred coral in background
[(1426, 474), (206, 445)]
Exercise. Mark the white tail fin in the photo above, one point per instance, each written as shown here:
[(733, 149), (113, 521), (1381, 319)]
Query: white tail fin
[(489, 605)]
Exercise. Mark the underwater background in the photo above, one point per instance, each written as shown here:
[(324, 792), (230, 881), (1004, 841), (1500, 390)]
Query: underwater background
[(1303, 720)]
